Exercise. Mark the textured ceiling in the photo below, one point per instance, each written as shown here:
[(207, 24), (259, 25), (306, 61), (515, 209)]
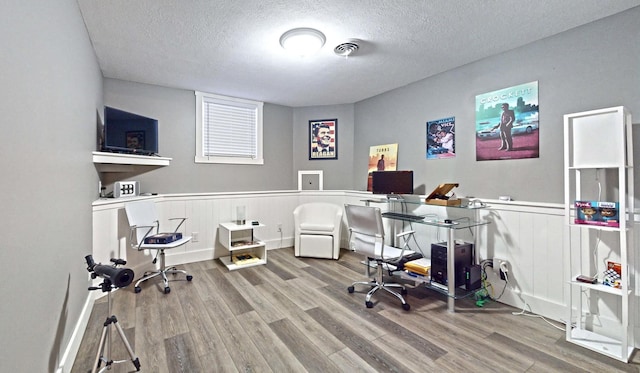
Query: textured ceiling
[(232, 47)]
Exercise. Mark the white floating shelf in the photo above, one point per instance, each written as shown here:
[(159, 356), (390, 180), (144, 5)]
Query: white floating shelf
[(130, 159)]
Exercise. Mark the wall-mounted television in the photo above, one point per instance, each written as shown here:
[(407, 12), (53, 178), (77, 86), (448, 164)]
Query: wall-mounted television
[(392, 182), (131, 133)]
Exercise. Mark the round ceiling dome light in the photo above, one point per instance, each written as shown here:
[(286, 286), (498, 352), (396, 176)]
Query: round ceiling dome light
[(346, 49), (302, 41)]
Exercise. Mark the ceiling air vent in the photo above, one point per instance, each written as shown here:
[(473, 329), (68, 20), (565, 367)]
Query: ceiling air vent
[(346, 49)]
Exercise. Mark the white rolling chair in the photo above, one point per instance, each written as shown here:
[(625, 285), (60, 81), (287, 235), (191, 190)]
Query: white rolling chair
[(143, 221), (366, 236), (317, 230)]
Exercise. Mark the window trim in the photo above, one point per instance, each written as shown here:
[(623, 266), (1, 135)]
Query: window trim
[(201, 97)]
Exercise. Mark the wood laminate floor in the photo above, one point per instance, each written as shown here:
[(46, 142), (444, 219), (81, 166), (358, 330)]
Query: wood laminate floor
[(295, 315)]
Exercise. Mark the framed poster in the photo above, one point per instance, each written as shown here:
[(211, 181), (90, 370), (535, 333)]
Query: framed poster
[(323, 139), (507, 123), (441, 138), (381, 158)]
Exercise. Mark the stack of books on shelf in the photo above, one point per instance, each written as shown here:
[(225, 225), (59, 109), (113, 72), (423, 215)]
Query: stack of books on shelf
[(242, 259), (419, 268)]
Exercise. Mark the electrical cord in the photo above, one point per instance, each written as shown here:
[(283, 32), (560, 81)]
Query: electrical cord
[(531, 314), (486, 285)]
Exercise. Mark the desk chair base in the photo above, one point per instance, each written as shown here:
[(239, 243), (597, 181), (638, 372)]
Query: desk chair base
[(377, 284), (161, 272)]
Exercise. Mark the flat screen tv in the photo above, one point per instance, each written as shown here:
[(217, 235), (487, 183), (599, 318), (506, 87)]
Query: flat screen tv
[(131, 133), (392, 182)]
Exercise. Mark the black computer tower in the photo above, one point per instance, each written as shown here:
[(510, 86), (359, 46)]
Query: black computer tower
[(463, 257)]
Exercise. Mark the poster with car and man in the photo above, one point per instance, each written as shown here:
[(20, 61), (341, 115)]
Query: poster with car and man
[(507, 123)]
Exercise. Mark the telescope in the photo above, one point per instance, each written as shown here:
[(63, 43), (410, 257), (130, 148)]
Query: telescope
[(118, 277)]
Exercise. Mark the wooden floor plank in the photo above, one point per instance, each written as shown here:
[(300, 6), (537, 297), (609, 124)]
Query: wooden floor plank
[(409, 356), (323, 340), (239, 345), (149, 339), (256, 298), (302, 348), (348, 361), (278, 355), (228, 292), (182, 357), (369, 352), (202, 330)]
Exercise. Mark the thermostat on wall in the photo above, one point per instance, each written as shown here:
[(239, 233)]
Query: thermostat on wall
[(126, 189)]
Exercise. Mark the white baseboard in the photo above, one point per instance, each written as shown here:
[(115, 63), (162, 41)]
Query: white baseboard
[(174, 259), (69, 356)]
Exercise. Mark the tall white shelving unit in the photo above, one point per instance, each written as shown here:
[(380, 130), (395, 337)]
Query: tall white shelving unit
[(598, 160)]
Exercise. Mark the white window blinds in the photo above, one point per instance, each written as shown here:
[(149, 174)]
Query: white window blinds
[(229, 130)]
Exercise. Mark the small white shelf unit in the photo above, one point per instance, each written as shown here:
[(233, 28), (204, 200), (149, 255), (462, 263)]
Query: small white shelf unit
[(240, 239), (598, 160)]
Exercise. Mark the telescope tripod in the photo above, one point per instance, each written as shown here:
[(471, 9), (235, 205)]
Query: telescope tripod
[(105, 338)]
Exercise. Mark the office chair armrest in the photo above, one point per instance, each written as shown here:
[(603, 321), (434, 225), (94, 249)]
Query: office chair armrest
[(179, 224), (133, 238), (351, 230)]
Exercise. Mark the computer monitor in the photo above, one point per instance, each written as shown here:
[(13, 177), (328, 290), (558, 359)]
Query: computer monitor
[(392, 182)]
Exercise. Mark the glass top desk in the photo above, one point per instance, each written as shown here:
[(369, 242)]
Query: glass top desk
[(431, 220)]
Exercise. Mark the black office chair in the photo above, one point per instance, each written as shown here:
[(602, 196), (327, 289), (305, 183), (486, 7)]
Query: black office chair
[(143, 221), (366, 236)]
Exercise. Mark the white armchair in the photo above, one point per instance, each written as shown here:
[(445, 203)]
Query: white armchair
[(317, 230)]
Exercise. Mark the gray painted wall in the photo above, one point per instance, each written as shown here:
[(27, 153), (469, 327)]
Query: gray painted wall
[(51, 87), (590, 67), (175, 111)]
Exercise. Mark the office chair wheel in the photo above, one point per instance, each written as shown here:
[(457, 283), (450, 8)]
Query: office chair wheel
[(189, 277), (406, 306), (137, 289), (369, 304), (351, 289), (403, 291), (167, 290)]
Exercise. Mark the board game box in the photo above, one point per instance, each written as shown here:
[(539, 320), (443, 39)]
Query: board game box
[(604, 214)]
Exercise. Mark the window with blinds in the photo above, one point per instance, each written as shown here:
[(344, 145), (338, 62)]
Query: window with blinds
[(229, 130)]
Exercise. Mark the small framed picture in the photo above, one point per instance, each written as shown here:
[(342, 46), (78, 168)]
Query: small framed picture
[(135, 140), (323, 139)]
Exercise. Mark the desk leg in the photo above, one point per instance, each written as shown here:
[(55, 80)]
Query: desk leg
[(451, 276)]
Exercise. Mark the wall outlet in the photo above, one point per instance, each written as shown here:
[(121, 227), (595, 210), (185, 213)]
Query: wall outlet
[(195, 236), (501, 267), (279, 226)]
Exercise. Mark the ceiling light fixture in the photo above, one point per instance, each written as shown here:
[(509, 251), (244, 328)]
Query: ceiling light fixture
[(302, 41)]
